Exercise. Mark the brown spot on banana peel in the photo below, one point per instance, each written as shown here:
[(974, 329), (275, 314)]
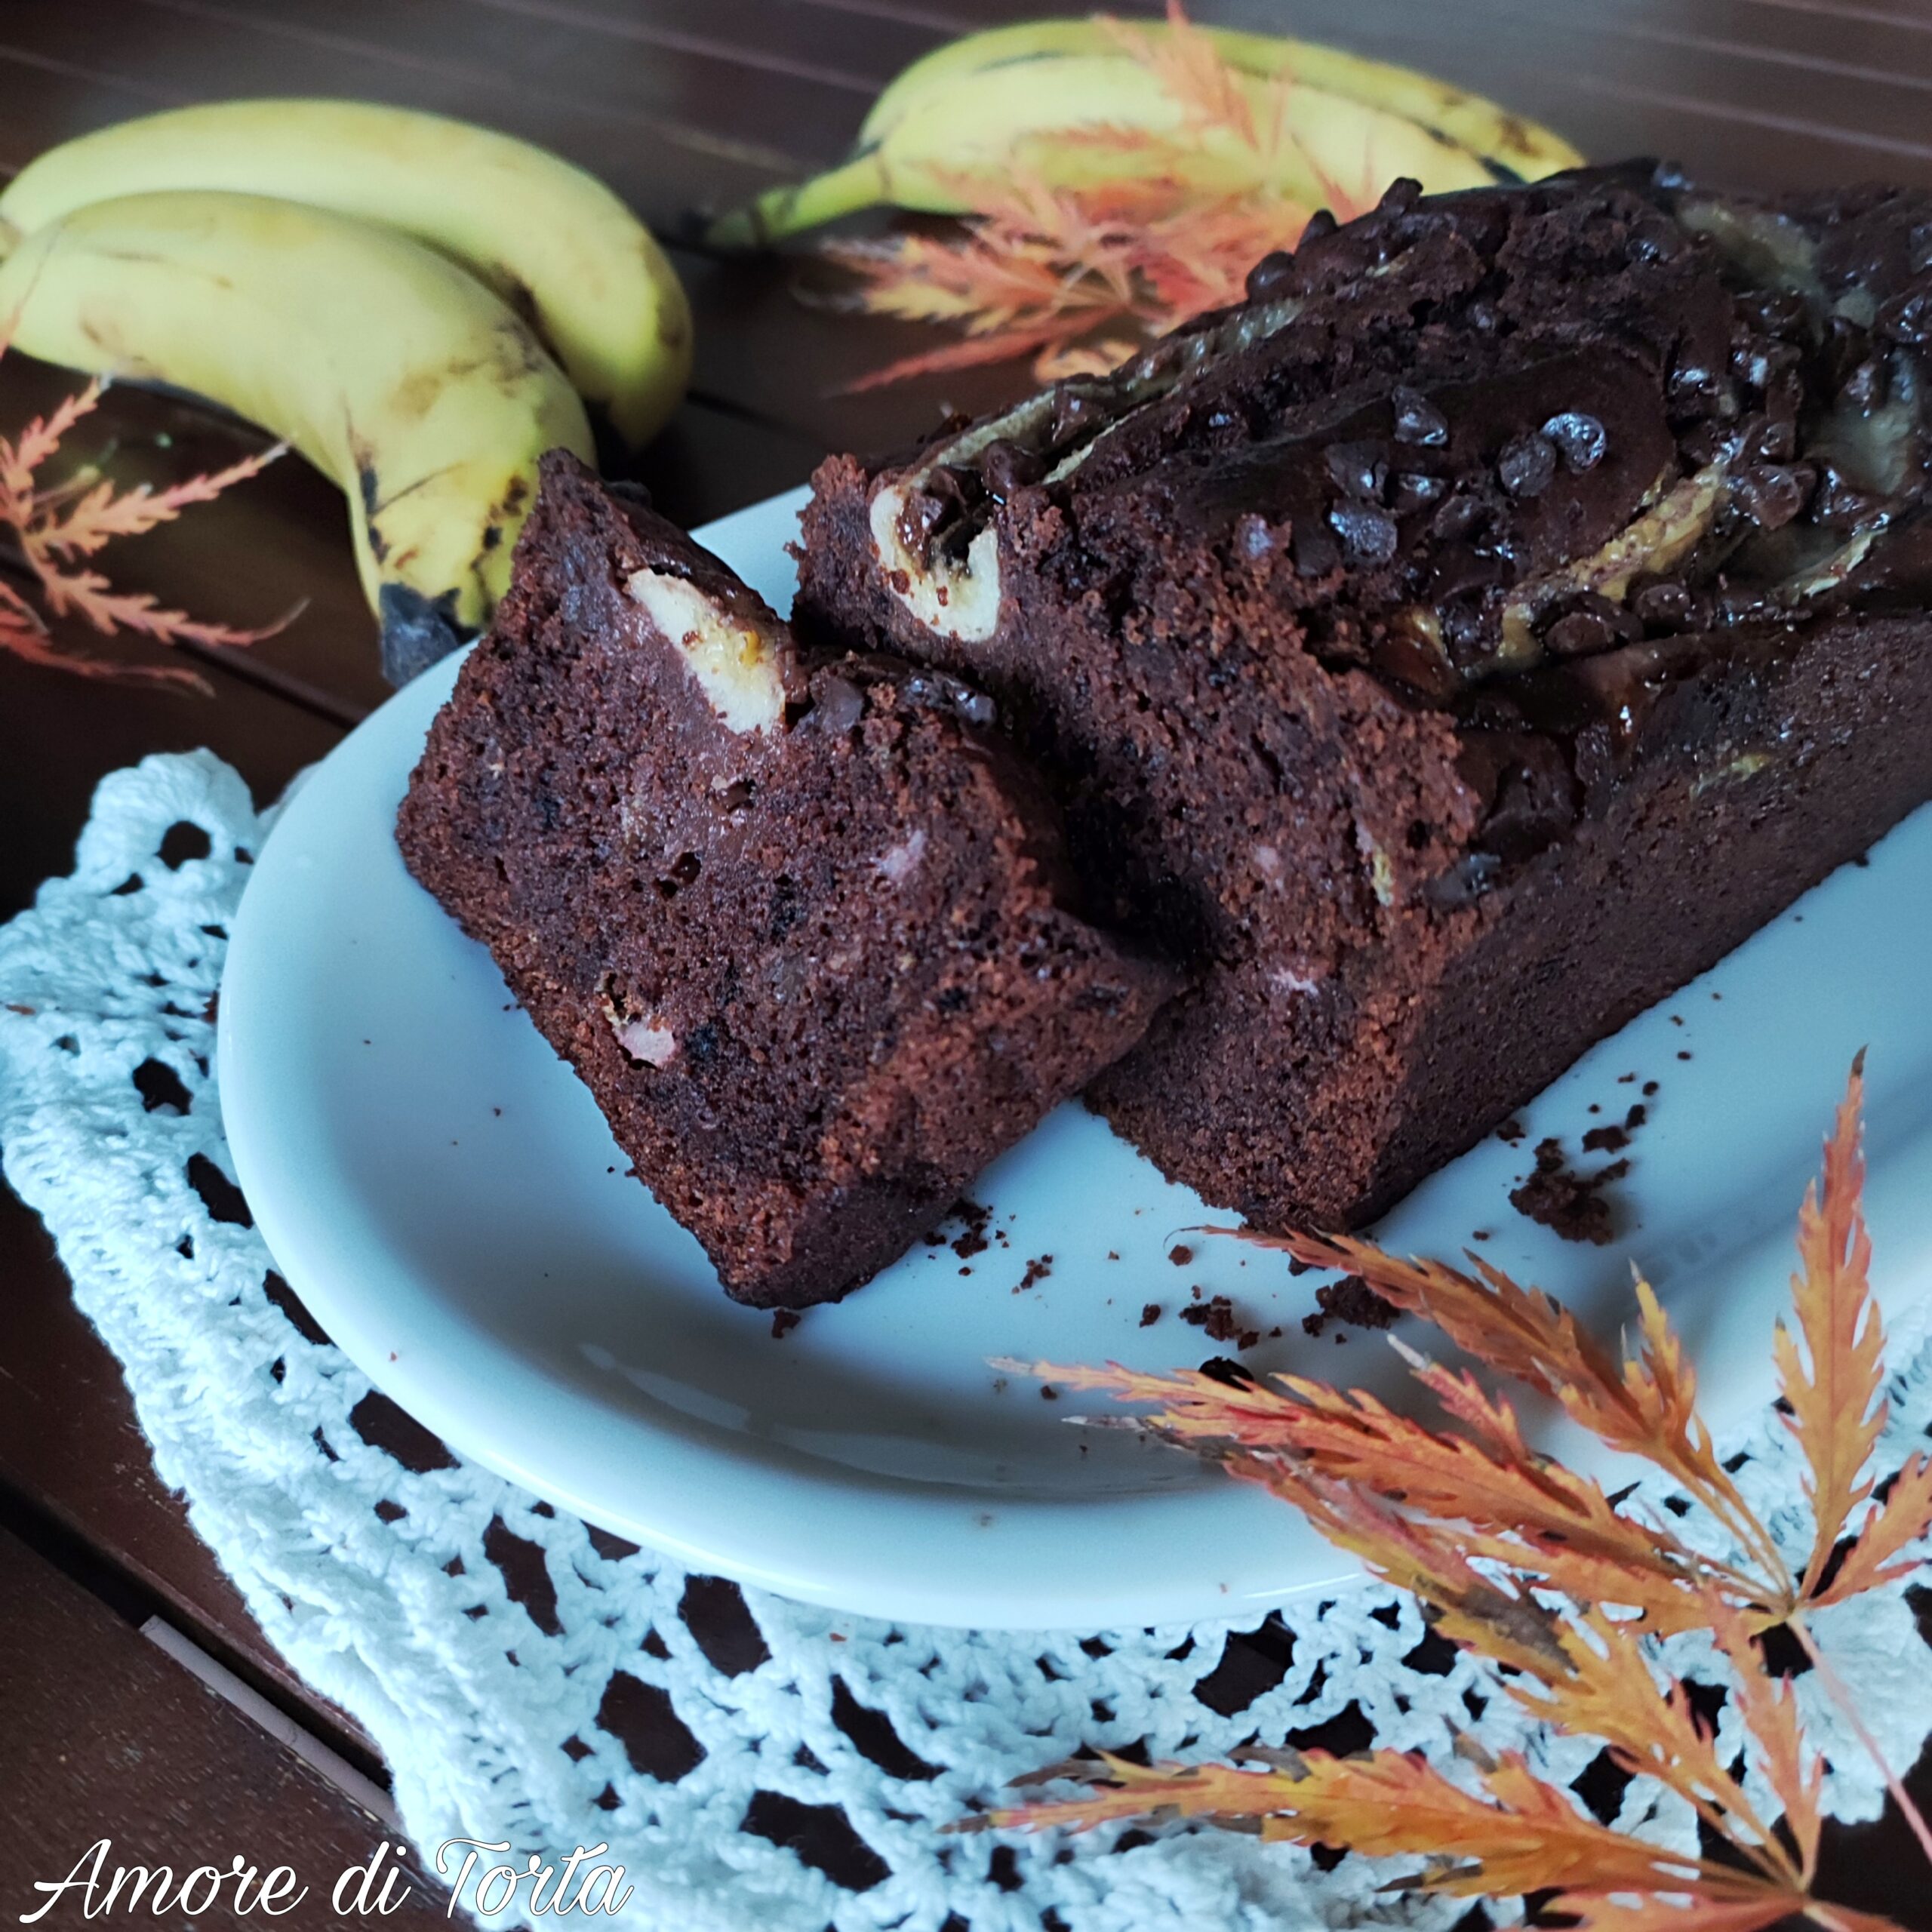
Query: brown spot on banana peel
[(506, 512)]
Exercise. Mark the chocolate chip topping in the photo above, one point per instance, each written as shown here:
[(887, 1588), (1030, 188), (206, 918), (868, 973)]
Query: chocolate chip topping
[(1006, 467), (1273, 275), (1368, 534), (1417, 420), (1528, 465), (1580, 439), (1357, 469), (1771, 494)]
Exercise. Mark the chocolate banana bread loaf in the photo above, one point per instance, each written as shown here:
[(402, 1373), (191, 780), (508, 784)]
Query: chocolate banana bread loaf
[(803, 928), (1449, 652)]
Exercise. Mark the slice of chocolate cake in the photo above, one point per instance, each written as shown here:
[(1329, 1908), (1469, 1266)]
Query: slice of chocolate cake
[(803, 929), (1447, 654)]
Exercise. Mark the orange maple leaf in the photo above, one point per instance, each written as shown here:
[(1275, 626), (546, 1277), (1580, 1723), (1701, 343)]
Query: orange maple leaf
[(55, 526), (1514, 1833), (1875, 1557), (1646, 1406), (1836, 1413), (1492, 1536), (1079, 278)]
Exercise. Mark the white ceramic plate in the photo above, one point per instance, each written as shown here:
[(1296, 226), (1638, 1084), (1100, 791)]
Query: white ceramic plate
[(444, 1195)]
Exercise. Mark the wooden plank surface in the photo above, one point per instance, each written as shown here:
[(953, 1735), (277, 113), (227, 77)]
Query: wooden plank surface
[(106, 1737), (685, 107)]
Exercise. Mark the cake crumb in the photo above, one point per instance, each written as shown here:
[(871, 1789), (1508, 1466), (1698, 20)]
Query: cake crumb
[(1350, 1300), (1625, 1079), (1037, 1270), (1215, 1317), (1480, 1234), (1180, 1254), (972, 1238), (1650, 1089), (783, 1320), (1605, 1140), (1150, 1313), (1684, 1053), (1511, 1131), (1113, 1254), (1636, 1117), (1048, 1393), (1570, 1204)]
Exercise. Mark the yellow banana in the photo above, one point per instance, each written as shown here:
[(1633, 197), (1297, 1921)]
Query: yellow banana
[(401, 377), (1504, 139), (555, 243), (1043, 95)]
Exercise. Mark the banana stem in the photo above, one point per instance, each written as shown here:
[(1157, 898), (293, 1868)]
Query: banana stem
[(779, 212)]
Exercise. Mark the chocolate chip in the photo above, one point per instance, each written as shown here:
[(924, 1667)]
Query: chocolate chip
[(1413, 492), (1580, 439), (1770, 494), (1580, 634), (1321, 225), (1417, 420), (1357, 469), (939, 690), (1401, 194), (1528, 465), (1461, 516), (1075, 411), (1867, 385), (1468, 879), (1465, 634), (1369, 534), (1777, 312), (838, 704), (1693, 390), (925, 514), (1839, 503), (1908, 318), (1771, 440), (1275, 273), (1663, 607), (1006, 467)]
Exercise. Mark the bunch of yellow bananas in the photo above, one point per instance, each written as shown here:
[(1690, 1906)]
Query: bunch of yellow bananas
[(1055, 98), (392, 293)]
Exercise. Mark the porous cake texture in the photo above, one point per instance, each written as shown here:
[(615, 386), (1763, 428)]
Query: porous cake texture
[(805, 928)]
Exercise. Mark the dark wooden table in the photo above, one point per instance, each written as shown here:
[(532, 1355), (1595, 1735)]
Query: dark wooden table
[(683, 105)]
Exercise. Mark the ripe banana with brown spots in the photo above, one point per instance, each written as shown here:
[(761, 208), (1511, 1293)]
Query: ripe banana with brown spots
[(400, 376), (552, 240)]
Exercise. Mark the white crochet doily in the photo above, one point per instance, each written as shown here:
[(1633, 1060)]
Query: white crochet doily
[(581, 1708)]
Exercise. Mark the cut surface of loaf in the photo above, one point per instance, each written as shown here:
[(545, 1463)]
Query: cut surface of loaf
[(1451, 651), (802, 928)]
